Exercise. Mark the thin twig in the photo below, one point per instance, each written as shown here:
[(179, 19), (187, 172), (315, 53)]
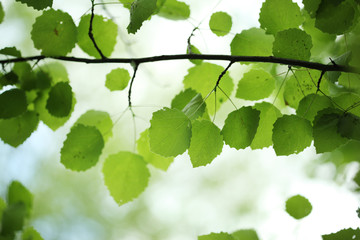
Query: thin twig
[(91, 35), (136, 65)]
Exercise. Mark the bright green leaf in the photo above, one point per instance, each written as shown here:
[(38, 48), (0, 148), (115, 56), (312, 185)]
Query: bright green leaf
[(291, 134), (140, 11), (298, 207), (292, 43), (311, 104), (206, 143), (170, 132), (117, 79), (252, 42), (195, 108), (82, 148), (174, 10), (2, 208), (31, 234), (216, 236), (245, 234), (126, 3), (349, 126), (2, 13), (240, 127), (60, 98), (99, 119), (104, 32), (12, 103), (54, 32), (143, 148), (10, 51), (220, 23), (37, 4), (268, 115), (202, 78), (255, 85), (15, 131), (18, 193), (126, 176), (194, 50), (183, 98), (349, 102), (345, 234), (13, 219), (278, 15)]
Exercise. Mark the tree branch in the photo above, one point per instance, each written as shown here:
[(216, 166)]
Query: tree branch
[(90, 33), (215, 57)]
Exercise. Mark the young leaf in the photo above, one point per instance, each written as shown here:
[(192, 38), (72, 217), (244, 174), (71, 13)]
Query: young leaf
[(170, 132), (174, 10), (18, 193), (13, 220), (60, 98), (31, 234), (195, 108), (216, 236), (255, 85), (292, 43), (99, 119), (345, 234), (143, 148), (117, 79), (278, 15), (349, 126), (252, 42), (268, 116), (15, 131), (194, 50), (291, 134), (104, 32), (311, 104), (202, 78), (240, 127), (140, 11), (54, 32), (10, 51), (126, 176), (298, 207), (183, 98), (206, 143), (82, 148), (220, 23), (37, 4), (245, 234), (12, 103)]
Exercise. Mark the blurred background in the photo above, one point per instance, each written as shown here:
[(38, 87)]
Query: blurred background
[(238, 190)]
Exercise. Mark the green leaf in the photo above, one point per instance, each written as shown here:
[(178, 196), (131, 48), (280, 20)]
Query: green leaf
[(349, 102), (183, 98), (245, 234), (292, 43), (54, 32), (117, 79), (349, 126), (325, 131), (291, 134), (206, 143), (335, 17), (13, 103), (195, 108), (9, 78), (104, 32), (255, 85), (170, 132), (311, 104), (202, 78), (252, 42), (220, 23), (343, 59), (60, 98), (126, 176), (2, 208), (194, 50), (140, 11), (37, 4), (18, 193), (31, 234), (143, 148), (13, 219), (15, 131), (174, 10), (298, 207), (26, 76), (311, 6), (240, 127), (56, 71), (82, 148), (278, 15), (216, 236), (268, 116), (10, 51), (2, 13), (345, 234), (126, 3), (99, 119), (43, 80)]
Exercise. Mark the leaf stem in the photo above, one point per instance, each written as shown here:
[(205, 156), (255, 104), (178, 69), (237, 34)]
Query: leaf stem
[(91, 35)]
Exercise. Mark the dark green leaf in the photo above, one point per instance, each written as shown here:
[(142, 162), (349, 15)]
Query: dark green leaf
[(82, 148), (31, 234), (349, 126), (117, 79), (216, 236), (311, 104), (140, 11), (9, 78), (26, 76), (349, 102), (18, 193), (60, 98), (195, 108), (2, 13), (311, 6), (344, 59), (10, 51), (126, 176), (12, 103), (37, 4), (245, 234), (43, 80), (220, 23), (240, 127), (174, 10), (345, 234), (13, 219), (298, 207)]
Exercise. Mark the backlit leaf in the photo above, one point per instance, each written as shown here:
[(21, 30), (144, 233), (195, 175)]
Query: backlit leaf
[(54, 32), (82, 148), (349, 126), (2, 13), (140, 11), (349, 102), (117, 79), (183, 98), (15, 131), (206, 143), (195, 108), (311, 6), (12, 103), (10, 51), (18, 193), (298, 207), (37, 4), (31, 234), (220, 23), (240, 127), (245, 234), (13, 219), (194, 50), (104, 32), (26, 76), (2, 208), (216, 236), (60, 98), (345, 234), (126, 176), (344, 59), (255, 85), (292, 43), (278, 15), (174, 10), (291, 134), (311, 104), (170, 132)]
